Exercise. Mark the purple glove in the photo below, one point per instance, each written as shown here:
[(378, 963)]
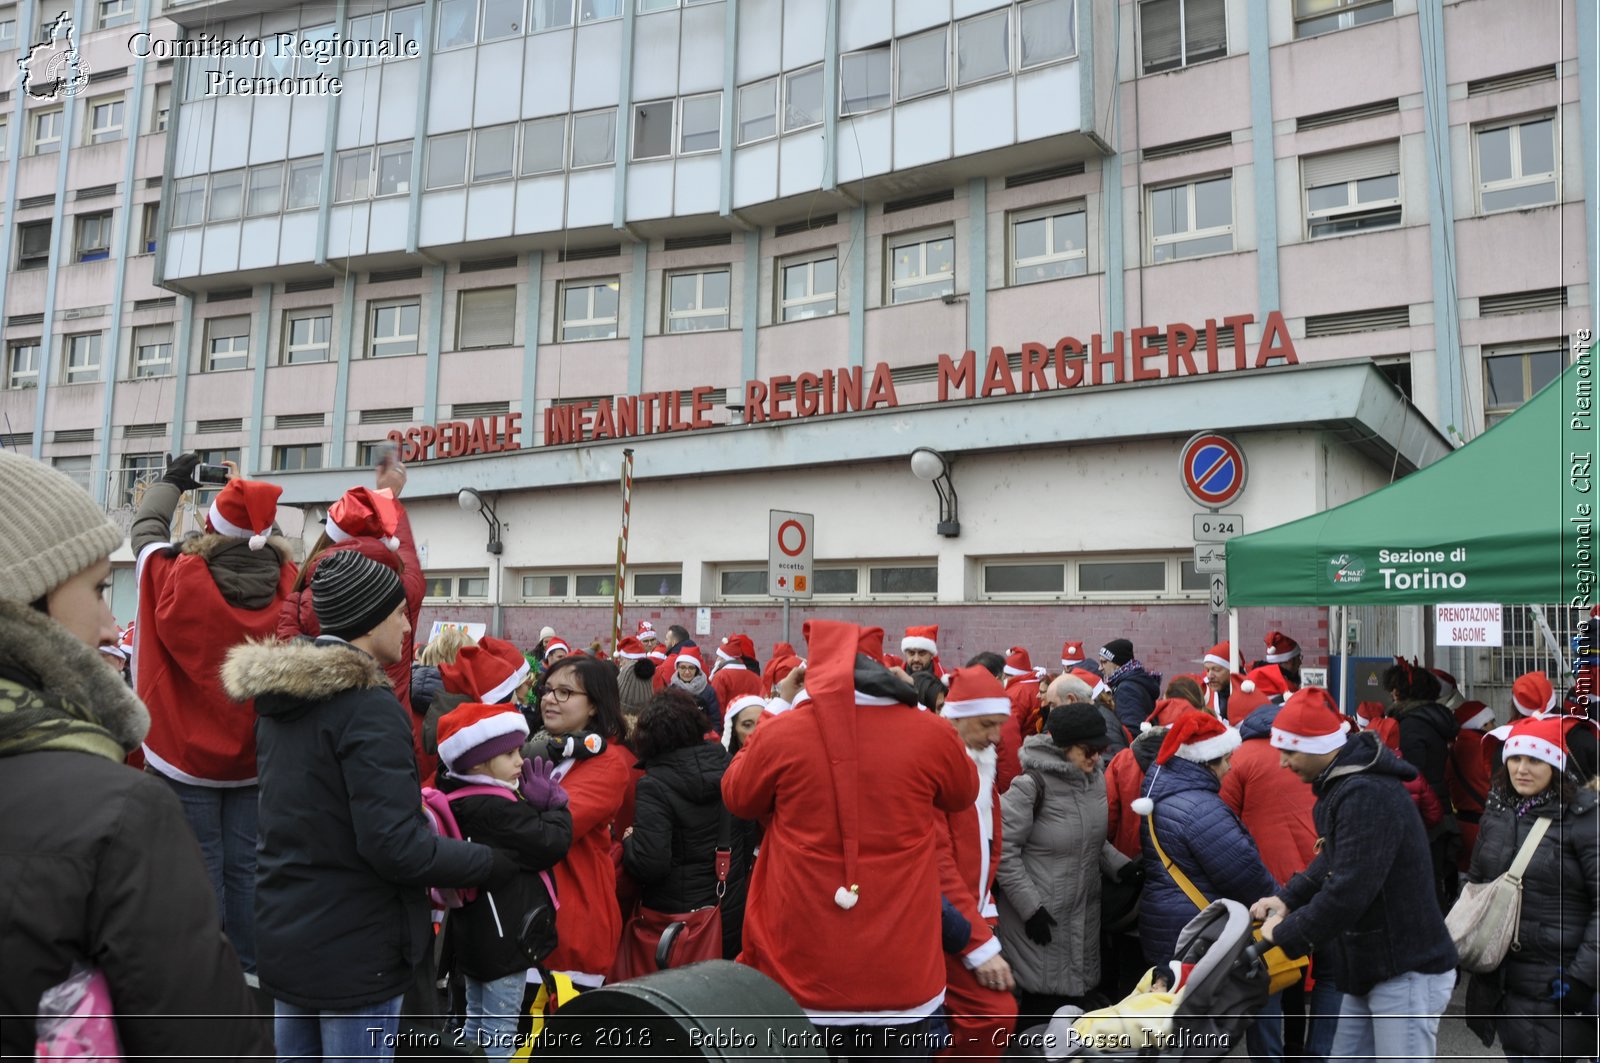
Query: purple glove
[(538, 789)]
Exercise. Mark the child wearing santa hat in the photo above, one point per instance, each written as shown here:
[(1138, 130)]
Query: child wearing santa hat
[(512, 804)]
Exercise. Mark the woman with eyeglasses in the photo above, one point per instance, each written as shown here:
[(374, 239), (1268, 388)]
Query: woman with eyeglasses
[(581, 715)]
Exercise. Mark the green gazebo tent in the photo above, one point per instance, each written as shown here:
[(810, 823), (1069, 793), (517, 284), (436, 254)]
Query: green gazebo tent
[(1508, 518)]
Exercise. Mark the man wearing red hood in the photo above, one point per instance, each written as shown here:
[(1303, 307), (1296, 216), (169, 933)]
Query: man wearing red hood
[(732, 676), (844, 909)]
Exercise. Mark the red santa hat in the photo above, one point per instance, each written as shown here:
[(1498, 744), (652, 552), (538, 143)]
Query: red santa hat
[(689, 655), (365, 512), (780, 667), (1309, 723), (832, 648), (245, 509), (1448, 687), (1017, 661), (631, 649), (974, 691), (871, 644), (489, 672), (1474, 716), (736, 647), (1540, 738), (1532, 694), (780, 650), (735, 707), (1094, 680), (1071, 655), (474, 734), (921, 638), (1242, 702), (1220, 655), (1268, 679), (1281, 647), (1367, 711), (1198, 737), (658, 653), (646, 632), (125, 639), (553, 645)]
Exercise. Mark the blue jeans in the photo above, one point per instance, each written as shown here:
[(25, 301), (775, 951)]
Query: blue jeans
[(1263, 1038), (1397, 1020), (224, 823), (493, 1009), (1322, 1020), (361, 1033)]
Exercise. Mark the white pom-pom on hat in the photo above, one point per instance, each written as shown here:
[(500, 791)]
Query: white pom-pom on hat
[(1146, 726), (1247, 687), (1143, 806), (257, 542), (393, 543), (847, 897)]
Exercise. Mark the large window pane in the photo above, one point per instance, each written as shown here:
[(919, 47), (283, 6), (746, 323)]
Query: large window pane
[(834, 580), (1047, 31), (544, 142), (924, 63), (447, 160), (492, 152), (544, 586), (652, 130), (903, 580), (983, 47), (758, 111), (863, 82), (594, 138), (658, 584), (744, 581), (1105, 577), (701, 124), (1024, 579), (802, 100)]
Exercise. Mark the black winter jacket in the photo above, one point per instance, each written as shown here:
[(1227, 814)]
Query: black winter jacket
[(1559, 933), (345, 854), (1426, 731), (671, 852), (484, 931), (98, 865), (1136, 694), (1366, 903)]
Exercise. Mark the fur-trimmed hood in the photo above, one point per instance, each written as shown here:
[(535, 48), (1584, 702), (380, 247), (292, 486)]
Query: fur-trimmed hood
[(288, 678), (68, 678), (248, 579)]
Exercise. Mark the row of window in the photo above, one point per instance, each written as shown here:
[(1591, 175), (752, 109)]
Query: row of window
[(92, 235), (1345, 191), (1179, 33), (107, 15), (105, 120)]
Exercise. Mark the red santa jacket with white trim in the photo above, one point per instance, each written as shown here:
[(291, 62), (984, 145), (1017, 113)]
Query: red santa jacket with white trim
[(968, 860), (733, 681), (882, 955), (185, 628)]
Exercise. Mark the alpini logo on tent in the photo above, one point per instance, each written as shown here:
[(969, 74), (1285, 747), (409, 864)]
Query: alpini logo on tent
[(1346, 570)]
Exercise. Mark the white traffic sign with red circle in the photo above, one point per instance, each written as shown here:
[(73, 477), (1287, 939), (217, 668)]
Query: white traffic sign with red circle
[(789, 555), (1213, 469)]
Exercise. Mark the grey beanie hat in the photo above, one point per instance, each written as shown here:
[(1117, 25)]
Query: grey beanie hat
[(352, 594), (50, 529)]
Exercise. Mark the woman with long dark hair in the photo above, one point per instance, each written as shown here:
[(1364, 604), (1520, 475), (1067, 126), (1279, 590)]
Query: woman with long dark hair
[(581, 714), (1540, 1000)]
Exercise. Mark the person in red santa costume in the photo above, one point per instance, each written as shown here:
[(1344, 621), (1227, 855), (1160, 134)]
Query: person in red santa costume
[(978, 981), (489, 672), (373, 522), (1222, 682), (844, 907), (736, 671), (1467, 773), (197, 600), (1284, 652), (919, 651), (1022, 687)]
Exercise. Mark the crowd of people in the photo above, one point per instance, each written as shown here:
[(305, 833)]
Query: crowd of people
[(329, 821)]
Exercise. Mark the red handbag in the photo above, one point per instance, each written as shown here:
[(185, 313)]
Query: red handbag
[(654, 941)]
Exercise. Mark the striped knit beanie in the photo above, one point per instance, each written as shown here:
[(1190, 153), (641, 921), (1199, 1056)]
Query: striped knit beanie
[(50, 529), (352, 594)]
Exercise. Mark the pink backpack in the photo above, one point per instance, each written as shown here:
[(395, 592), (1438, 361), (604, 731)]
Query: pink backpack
[(436, 807)]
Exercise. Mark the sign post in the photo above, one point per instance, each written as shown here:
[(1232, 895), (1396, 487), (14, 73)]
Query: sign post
[(789, 558), (1212, 468)]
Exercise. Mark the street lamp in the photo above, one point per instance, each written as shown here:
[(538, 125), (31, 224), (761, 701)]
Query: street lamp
[(929, 464), (470, 500)]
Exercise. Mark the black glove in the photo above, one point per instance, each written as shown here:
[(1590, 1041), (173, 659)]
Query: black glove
[(502, 872), (1132, 873), (180, 472), (1038, 926)]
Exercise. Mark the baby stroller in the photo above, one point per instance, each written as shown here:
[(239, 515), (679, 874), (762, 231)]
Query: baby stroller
[(1217, 982)]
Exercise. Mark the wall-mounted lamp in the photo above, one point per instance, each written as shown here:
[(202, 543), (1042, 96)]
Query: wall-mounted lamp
[(951, 298), (735, 412), (929, 464), (470, 500)]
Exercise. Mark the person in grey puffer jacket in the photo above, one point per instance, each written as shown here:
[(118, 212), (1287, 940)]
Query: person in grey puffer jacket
[(1541, 1000), (1053, 850)]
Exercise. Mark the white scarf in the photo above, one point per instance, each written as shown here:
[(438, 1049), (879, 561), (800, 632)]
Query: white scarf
[(986, 760)]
